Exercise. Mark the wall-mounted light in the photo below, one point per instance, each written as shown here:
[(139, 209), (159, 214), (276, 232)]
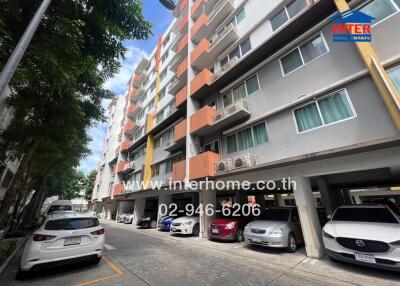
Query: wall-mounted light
[(169, 4)]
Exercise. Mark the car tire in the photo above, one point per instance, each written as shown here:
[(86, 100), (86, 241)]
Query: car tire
[(97, 260), (196, 230), (292, 243), (239, 235), (153, 224)]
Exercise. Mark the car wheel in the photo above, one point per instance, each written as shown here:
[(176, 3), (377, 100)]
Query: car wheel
[(97, 260), (239, 235), (292, 243), (196, 230), (153, 224)]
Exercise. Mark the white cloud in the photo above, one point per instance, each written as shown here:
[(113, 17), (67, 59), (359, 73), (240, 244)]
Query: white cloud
[(118, 85)]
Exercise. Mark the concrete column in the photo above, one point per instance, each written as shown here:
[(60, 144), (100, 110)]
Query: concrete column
[(260, 199), (108, 207), (308, 217), (207, 197), (279, 200), (331, 198), (163, 199), (138, 211)]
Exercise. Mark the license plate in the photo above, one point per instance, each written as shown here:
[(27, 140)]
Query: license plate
[(215, 231), (255, 239), (72, 240), (365, 258)]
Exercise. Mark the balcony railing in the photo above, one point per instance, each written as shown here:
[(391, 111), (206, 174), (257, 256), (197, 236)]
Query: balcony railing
[(218, 36), (225, 69)]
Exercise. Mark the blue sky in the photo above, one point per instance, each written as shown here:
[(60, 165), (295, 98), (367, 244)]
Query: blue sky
[(160, 18)]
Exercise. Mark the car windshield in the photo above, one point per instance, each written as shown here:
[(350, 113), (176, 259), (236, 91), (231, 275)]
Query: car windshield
[(55, 208), (71, 224), (275, 214), (359, 214)]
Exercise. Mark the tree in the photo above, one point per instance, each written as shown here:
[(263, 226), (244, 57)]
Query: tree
[(89, 184), (57, 88)]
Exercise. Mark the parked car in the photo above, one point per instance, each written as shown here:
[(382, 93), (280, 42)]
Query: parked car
[(164, 224), (186, 225), (60, 205), (121, 217), (128, 219), (149, 220), (277, 227), (364, 234), (228, 227), (64, 237)]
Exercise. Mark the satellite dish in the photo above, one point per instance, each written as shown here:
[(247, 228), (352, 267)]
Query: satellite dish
[(169, 4)]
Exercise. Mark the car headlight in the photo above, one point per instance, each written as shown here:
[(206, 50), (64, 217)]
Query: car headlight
[(276, 230), (147, 219), (246, 228), (230, 225), (327, 235), (187, 223)]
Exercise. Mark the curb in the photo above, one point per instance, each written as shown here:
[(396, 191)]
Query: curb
[(20, 242)]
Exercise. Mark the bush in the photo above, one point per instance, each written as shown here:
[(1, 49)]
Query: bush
[(6, 248), (16, 233)]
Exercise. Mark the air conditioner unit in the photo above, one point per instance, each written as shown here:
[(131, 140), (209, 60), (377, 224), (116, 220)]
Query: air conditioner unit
[(243, 161), (168, 144), (219, 116), (224, 165), (130, 166)]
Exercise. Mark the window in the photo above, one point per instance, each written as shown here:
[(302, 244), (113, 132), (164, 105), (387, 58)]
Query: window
[(157, 142), (168, 166), (163, 74), (240, 16), (380, 9), (165, 56), (153, 86), (324, 111), (288, 12), (247, 138), (167, 38), (155, 170), (160, 116), (304, 54), (238, 52), (211, 147), (247, 88), (394, 75), (162, 93)]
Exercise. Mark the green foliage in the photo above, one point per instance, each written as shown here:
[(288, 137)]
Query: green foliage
[(89, 184), (6, 248)]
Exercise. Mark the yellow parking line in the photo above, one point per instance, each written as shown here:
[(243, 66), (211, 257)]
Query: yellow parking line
[(118, 272)]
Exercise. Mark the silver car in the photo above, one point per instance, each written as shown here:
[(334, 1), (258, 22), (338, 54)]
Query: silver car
[(277, 227), (368, 235)]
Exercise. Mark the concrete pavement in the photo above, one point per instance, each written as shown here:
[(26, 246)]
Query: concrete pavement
[(149, 257)]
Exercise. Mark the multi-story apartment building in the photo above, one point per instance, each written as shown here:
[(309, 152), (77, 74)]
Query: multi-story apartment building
[(258, 90)]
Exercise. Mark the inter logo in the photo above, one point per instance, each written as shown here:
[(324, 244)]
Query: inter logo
[(352, 26)]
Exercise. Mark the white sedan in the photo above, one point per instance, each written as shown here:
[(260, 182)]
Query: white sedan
[(64, 237), (186, 225)]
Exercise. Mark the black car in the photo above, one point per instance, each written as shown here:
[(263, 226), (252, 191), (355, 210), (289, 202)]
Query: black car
[(149, 220)]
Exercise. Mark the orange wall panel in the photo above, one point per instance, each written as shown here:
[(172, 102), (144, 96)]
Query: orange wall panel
[(201, 48), (180, 130), (181, 96), (203, 117), (203, 165), (201, 79), (179, 171), (203, 20)]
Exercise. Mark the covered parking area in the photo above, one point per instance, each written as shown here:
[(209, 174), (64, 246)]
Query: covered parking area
[(325, 181)]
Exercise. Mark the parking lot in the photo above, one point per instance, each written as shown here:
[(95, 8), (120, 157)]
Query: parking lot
[(150, 257)]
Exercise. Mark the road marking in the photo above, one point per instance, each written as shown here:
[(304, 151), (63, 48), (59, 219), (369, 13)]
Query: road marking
[(239, 246), (115, 268), (109, 247)]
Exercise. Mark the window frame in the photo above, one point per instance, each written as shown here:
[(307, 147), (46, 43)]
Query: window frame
[(395, 5), (239, 46), (298, 47), (287, 14), (252, 137), (230, 92), (319, 110)]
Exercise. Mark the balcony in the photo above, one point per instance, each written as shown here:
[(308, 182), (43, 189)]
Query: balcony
[(125, 145), (137, 80), (179, 171), (133, 93), (130, 127), (183, 5), (201, 79), (118, 189), (206, 52), (208, 120), (176, 62), (203, 165), (175, 45), (183, 43), (133, 109), (202, 119), (181, 97), (205, 25), (183, 24), (121, 167), (176, 85), (182, 69), (129, 167), (180, 131), (202, 6), (227, 67)]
